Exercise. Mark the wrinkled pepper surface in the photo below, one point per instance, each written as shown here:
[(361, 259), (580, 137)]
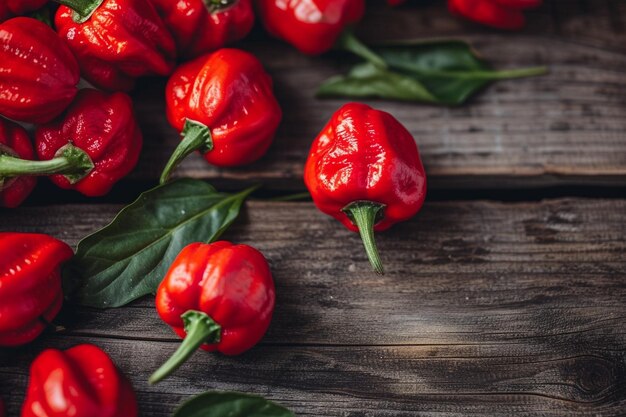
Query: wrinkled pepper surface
[(116, 41), (30, 284), (312, 26), (501, 14), (224, 107), (95, 144), (14, 142), (364, 169), (79, 382), (216, 296), (202, 26), (38, 72)]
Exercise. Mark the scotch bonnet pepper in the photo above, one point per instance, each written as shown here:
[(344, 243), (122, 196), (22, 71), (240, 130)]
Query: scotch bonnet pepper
[(95, 144), (312, 26), (116, 41), (216, 296), (201, 26), (38, 72), (364, 169), (224, 106), (501, 14), (30, 284), (79, 382), (14, 142)]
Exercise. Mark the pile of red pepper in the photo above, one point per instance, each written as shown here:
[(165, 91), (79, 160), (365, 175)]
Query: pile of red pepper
[(363, 169)]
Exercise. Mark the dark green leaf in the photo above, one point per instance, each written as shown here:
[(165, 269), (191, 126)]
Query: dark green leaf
[(128, 258), (230, 404), (449, 71), (368, 80)]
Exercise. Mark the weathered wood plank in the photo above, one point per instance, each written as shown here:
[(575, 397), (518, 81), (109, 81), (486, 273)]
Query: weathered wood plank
[(563, 128), (486, 308)]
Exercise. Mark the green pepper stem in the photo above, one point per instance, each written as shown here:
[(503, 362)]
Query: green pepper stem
[(70, 161), (214, 6), (200, 329), (348, 42), (83, 9), (365, 214), (196, 137)]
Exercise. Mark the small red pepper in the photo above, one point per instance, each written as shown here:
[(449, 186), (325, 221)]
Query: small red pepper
[(30, 284), (14, 142), (312, 26), (116, 41), (218, 296), (224, 106), (95, 144), (201, 26), (79, 382), (38, 72), (501, 14), (364, 169)]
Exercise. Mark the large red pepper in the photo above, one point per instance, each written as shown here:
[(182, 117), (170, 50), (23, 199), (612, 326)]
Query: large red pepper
[(218, 296), (364, 169), (116, 41), (38, 72), (95, 144), (224, 106), (30, 284), (501, 14), (201, 26), (14, 142), (312, 26), (79, 382)]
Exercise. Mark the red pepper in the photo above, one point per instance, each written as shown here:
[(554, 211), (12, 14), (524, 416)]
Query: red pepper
[(501, 14), (312, 26), (38, 73), (364, 169), (14, 142), (19, 7), (94, 145), (78, 382), (218, 296), (201, 26), (30, 284), (116, 41), (224, 106)]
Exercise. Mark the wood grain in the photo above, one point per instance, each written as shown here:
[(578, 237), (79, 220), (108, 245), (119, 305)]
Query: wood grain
[(563, 128), (486, 309)]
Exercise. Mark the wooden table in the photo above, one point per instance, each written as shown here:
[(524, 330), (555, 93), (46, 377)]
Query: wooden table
[(505, 296)]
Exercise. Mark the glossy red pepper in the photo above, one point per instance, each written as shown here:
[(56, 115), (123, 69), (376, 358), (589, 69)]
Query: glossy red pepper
[(14, 142), (30, 284), (364, 169), (201, 26), (501, 14), (79, 382), (224, 106), (116, 41), (218, 296), (38, 72), (312, 26), (104, 127)]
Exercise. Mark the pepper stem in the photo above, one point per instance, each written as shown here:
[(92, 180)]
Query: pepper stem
[(348, 42), (200, 329), (70, 161), (214, 6), (365, 214), (83, 9), (196, 137)]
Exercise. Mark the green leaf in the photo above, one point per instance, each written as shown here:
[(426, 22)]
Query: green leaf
[(128, 258), (230, 404), (448, 71)]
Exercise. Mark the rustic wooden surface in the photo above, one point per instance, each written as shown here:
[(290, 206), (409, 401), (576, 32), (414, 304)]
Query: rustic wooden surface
[(487, 308)]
